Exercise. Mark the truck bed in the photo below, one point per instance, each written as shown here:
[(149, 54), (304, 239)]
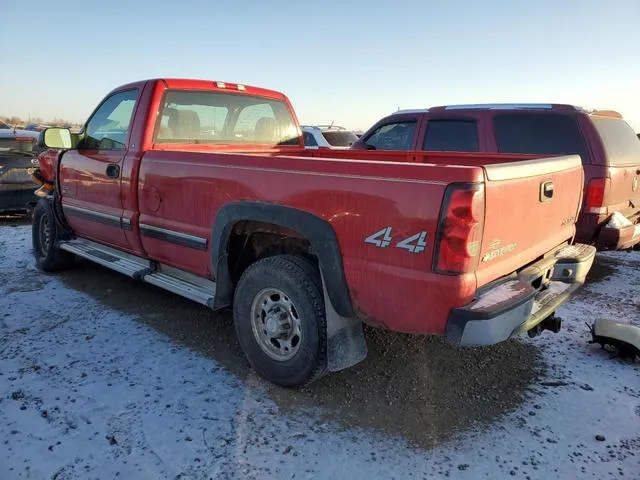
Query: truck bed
[(360, 197)]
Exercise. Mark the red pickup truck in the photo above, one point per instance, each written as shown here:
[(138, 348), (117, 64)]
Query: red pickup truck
[(608, 146), (205, 189)]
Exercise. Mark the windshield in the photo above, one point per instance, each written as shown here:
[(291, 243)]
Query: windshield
[(340, 138), (621, 144)]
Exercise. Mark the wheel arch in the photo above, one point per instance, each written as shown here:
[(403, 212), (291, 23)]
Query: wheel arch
[(317, 231)]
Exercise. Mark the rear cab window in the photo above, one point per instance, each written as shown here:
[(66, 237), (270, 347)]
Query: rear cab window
[(620, 142), (309, 140), (339, 138), (211, 117), (539, 133), (399, 135), (451, 135)]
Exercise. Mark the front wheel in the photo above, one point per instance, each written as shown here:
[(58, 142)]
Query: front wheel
[(45, 235), (280, 322)]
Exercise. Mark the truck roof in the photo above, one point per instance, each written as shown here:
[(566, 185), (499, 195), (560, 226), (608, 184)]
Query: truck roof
[(325, 127), (514, 106), (199, 84), (507, 106), (411, 110)]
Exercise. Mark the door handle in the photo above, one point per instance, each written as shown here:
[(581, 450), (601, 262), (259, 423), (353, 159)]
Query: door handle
[(113, 170), (546, 191)]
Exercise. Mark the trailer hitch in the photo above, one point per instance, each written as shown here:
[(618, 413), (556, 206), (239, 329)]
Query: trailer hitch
[(552, 323)]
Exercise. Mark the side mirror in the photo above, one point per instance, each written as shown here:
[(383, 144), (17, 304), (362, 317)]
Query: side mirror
[(58, 138)]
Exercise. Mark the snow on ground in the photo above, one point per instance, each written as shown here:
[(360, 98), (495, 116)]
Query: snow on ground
[(90, 392)]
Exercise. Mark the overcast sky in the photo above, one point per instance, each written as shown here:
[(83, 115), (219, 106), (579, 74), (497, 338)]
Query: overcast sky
[(347, 62)]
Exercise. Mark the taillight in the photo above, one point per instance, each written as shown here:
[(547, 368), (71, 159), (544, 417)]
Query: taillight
[(460, 225), (594, 197)]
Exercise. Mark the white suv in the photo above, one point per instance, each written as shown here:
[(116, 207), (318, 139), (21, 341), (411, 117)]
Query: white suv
[(327, 136)]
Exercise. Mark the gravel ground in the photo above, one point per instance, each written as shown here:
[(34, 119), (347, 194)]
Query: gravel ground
[(450, 389), (101, 376)]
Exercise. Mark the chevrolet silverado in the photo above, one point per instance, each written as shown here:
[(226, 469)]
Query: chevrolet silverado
[(205, 189)]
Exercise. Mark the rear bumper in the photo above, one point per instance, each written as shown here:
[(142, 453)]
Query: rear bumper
[(618, 238), (15, 197), (520, 302), (595, 229)]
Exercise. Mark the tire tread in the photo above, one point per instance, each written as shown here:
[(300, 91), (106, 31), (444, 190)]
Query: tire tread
[(306, 276)]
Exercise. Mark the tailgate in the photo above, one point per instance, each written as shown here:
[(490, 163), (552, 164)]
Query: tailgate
[(622, 192), (531, 207)]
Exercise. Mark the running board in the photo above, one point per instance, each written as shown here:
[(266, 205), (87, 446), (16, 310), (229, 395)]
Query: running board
[(185, 284), (121, 262), (197, 293)]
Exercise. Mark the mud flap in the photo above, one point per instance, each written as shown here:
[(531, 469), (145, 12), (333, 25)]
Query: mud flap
[(346, 345)]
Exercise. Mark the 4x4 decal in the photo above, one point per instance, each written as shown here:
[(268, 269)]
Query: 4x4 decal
[(416, 243)]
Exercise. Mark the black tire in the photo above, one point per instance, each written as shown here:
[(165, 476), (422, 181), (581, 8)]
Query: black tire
[(48, 257), (299, 280)]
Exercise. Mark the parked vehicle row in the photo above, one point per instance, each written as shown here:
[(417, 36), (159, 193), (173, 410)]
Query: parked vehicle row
[(207, 190), (607, 145)]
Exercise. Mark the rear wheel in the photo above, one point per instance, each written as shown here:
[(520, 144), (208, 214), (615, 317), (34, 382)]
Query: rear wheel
[(45, 235), (280, 322)]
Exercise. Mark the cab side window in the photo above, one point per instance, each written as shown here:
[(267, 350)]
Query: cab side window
[(539, 134), (451, 135), (393, 136), (108, 128)]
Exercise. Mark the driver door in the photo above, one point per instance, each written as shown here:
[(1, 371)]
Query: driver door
[(90, 176)]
